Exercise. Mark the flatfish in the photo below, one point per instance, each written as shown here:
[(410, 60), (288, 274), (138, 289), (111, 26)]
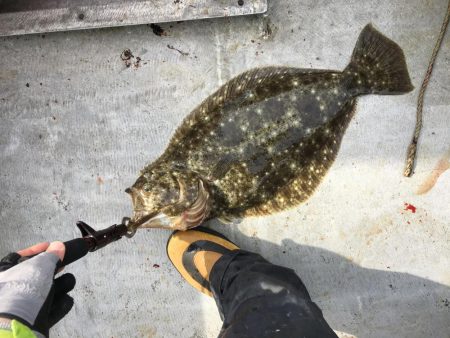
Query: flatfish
[(264, 140)]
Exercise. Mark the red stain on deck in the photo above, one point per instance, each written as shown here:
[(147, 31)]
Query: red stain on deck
[(410, 207)]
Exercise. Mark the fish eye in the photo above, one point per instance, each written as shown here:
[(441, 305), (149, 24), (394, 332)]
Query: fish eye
[(178, 166)]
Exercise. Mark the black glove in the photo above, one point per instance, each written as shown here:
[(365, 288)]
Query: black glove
[(29, 292)]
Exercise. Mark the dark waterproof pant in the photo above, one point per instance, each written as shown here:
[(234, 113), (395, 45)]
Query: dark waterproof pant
[(258, 299)]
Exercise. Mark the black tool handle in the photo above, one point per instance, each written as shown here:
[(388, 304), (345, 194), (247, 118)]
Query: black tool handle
[(92, 240), (75, 249)]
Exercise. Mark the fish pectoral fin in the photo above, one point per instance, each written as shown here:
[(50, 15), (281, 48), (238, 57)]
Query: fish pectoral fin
[(183, 191), (223, 166), (197, 212)]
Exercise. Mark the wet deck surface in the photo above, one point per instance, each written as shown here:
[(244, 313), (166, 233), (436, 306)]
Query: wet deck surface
[(76, 125)]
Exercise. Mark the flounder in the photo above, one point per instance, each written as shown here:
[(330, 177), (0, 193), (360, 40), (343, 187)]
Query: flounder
[(264, 140)]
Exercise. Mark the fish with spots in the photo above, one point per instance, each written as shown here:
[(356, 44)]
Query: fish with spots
[(263, 142)]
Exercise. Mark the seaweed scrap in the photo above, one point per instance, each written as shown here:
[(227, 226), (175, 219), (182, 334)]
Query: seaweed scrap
[(179, 51), (127, 57)]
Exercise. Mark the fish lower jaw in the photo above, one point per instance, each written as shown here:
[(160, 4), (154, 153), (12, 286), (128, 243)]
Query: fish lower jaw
[(164, 221), (161, 220)]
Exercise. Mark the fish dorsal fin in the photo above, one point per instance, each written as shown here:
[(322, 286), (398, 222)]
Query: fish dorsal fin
[(300, 188), (208, 111), (247, 81)]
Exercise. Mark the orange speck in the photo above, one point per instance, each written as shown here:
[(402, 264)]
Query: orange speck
[(429, 183), (100, 180)]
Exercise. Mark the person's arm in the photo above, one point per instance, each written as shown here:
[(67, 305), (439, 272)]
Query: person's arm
[(31, 300)]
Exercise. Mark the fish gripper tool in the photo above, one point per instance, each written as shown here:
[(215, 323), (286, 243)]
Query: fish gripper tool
[(93, 240)]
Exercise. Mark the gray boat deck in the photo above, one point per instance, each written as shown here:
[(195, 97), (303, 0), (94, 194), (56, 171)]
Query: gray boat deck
[(76, 126)]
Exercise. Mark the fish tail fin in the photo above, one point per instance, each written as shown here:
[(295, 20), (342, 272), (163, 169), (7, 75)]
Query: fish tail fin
[(377, 66)]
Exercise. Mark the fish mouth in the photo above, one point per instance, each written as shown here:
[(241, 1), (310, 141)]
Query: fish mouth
[(162, 220), (141, 218)]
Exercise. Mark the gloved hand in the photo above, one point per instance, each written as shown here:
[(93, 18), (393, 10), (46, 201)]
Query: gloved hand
[(29, 292)]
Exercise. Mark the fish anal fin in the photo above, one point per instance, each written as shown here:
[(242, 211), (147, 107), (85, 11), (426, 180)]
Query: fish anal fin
[(226, 219), (310, 174)]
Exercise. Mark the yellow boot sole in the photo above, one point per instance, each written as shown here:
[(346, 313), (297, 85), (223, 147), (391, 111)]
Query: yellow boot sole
[(182, 247)]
